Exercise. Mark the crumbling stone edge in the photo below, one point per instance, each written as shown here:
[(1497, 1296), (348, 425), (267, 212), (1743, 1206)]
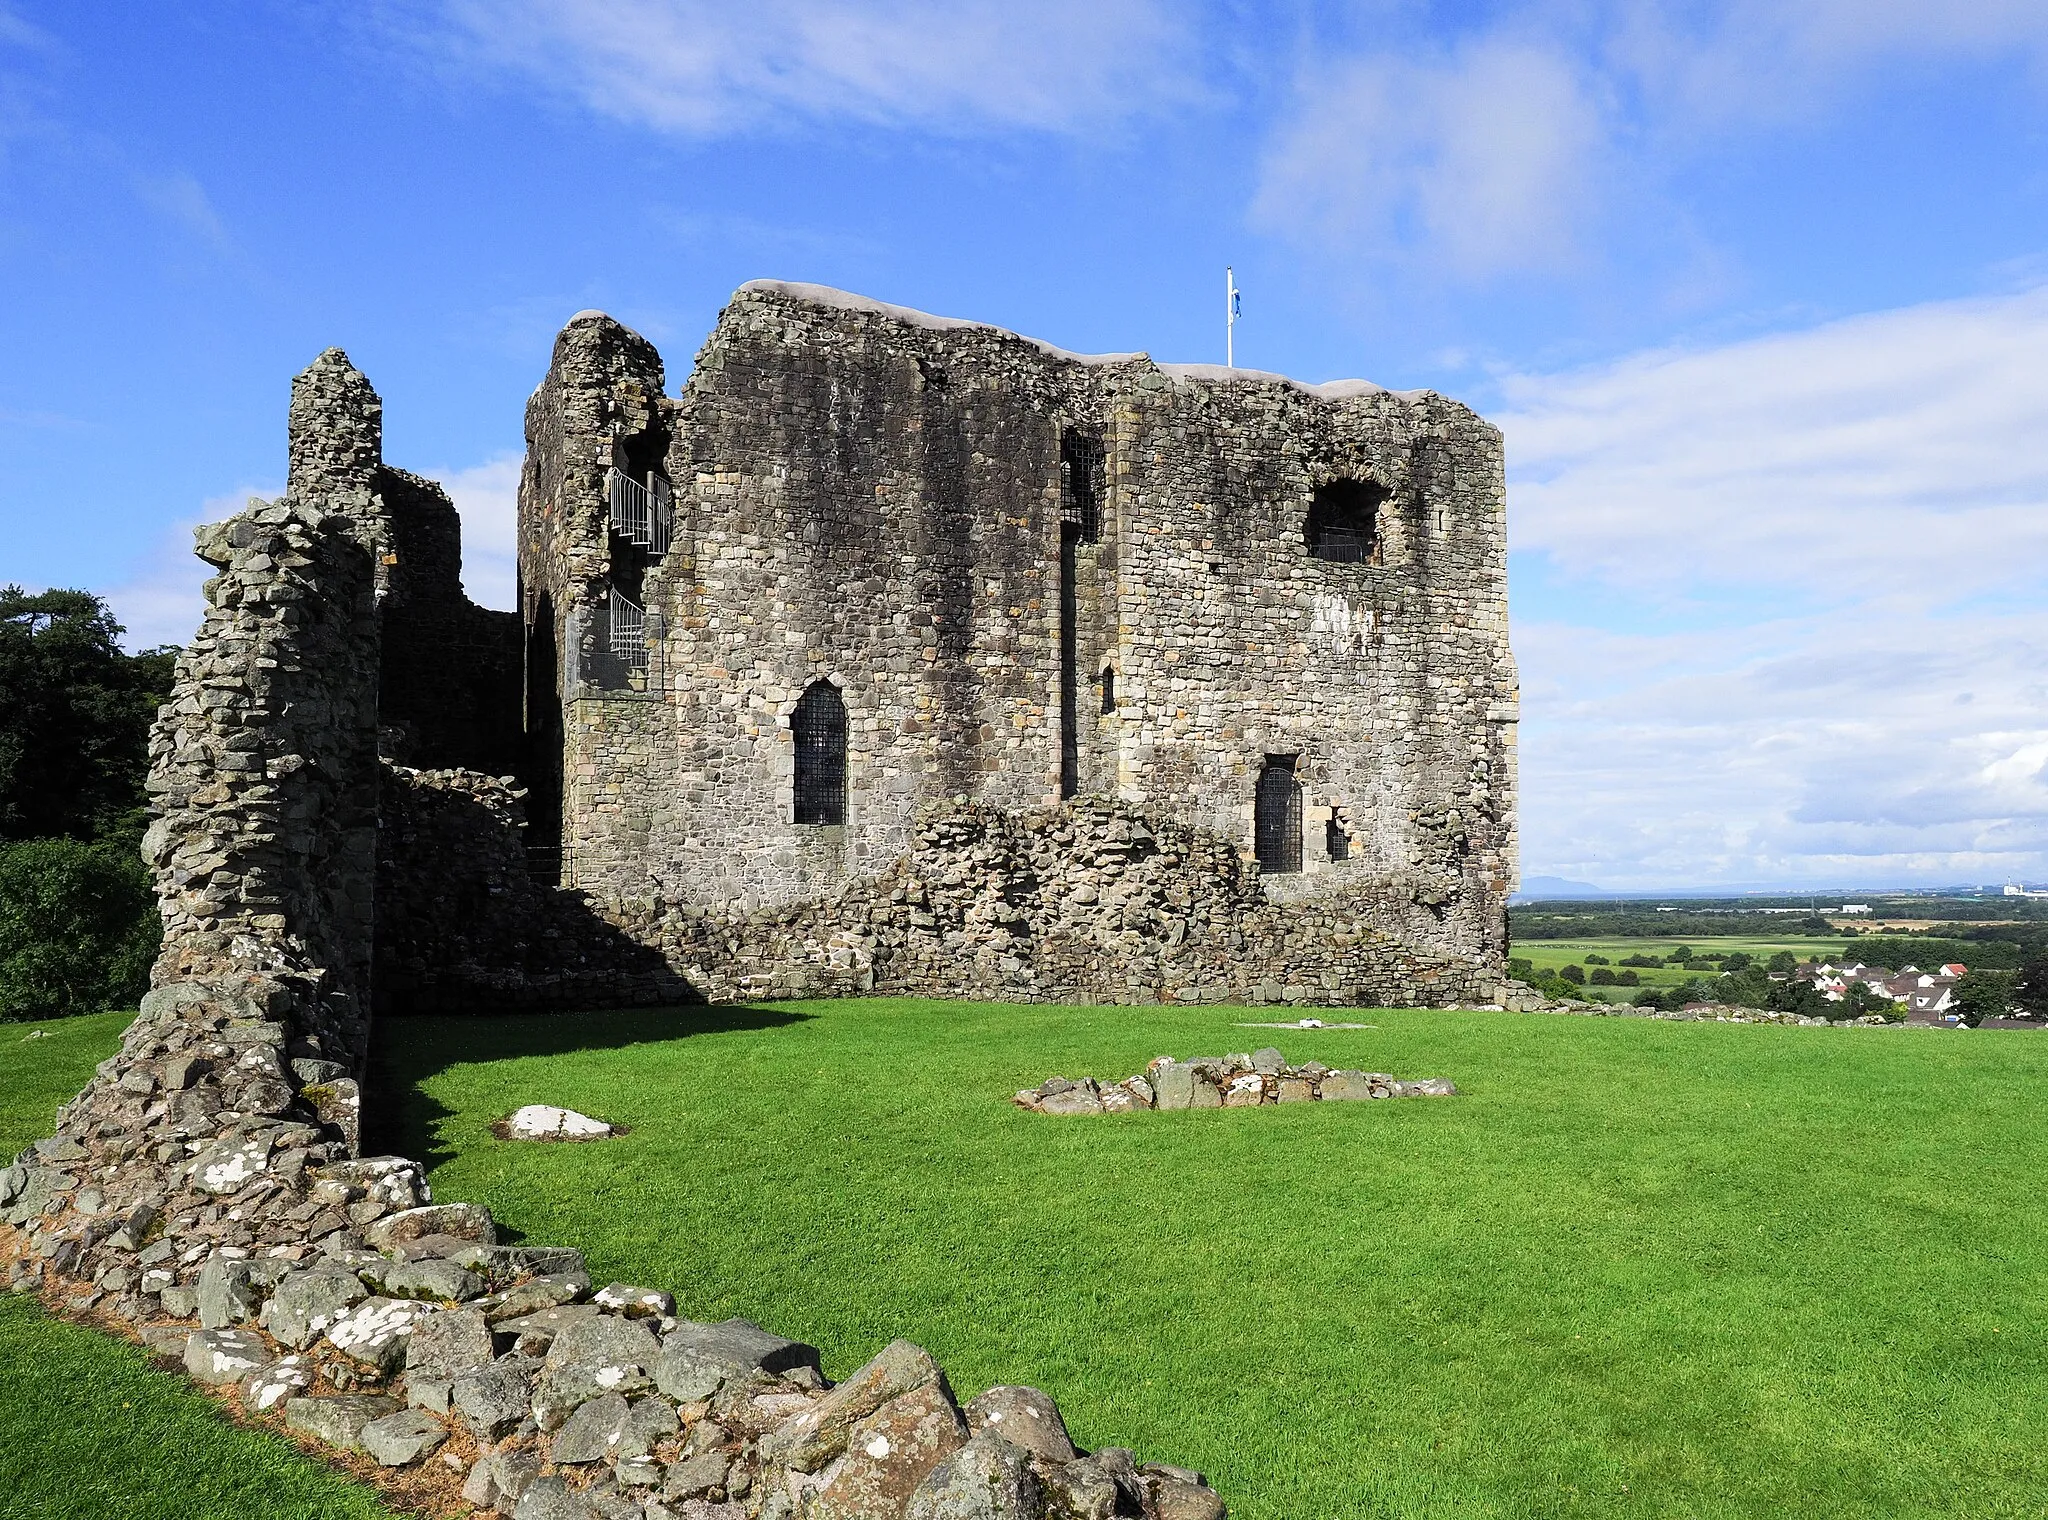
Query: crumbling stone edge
[(205, 1192)]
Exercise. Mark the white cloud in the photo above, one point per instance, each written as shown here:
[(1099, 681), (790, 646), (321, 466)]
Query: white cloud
[(1835, 460), (1858, 514), (159, 600), (699, 66), (1534, 137), (1484, 159), (487, 497)]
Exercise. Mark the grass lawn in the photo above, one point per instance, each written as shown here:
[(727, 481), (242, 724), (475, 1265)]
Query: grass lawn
[(88, 1431), (1642, 1268)]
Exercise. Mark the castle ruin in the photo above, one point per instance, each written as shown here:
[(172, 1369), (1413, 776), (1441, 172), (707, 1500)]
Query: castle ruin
[(869, 562)]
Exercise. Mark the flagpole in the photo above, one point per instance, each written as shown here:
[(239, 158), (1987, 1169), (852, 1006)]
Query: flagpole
[(1229, 317)]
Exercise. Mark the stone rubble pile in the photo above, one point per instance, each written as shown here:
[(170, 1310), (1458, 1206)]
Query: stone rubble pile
[(1092, 901), (1234, 1081), (205, 1191)]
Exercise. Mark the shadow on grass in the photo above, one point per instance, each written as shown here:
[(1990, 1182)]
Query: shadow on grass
[(401, 1118)]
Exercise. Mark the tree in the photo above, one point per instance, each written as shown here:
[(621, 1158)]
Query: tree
[(1576, 975), (2030, 989), (1784, 962), (77, 928), (1985, 995), (1801, 998), (74, 718), (1602, 976)]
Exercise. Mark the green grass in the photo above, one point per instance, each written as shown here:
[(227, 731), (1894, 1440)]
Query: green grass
[(88, 1430), (1642, 1268)]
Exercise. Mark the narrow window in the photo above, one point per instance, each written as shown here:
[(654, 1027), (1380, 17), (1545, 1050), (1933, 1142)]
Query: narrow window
[(819, 725), (1343, 521), (1109, 688), (1081, 481), (1337, 840), (1276, 826)]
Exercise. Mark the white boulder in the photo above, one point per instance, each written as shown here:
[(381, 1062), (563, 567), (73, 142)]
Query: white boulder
[(538, 1121)]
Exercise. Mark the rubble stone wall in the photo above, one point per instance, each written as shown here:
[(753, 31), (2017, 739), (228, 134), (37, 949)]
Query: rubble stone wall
[(1093, 901)]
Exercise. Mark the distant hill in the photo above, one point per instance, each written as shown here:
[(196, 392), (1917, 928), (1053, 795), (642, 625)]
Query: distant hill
[(1539, 888)]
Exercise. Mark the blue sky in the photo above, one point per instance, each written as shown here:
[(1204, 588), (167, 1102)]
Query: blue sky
[(1758, 290)]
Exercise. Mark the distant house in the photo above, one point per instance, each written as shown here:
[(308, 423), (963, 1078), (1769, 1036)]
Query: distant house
[(1855, 907), (1955, 968)]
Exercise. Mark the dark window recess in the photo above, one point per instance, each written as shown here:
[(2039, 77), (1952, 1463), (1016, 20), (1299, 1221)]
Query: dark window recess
[(1070, 657), (1338, 842), (1344, 522), (1276, 827), (1109, 688), (819, 725), (1081, 482)]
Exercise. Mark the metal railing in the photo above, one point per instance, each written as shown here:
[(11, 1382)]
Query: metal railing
[(642, 515), (1344, 548), (628, 630)]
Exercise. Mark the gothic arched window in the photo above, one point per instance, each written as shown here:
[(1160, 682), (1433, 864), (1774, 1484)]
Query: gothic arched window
[(819, 726), (1276, 821)]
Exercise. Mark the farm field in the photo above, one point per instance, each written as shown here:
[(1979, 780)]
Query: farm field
[(1640, 1268), (1549, 954), (88, 1430)]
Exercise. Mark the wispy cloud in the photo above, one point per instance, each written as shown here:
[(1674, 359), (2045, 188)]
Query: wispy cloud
[(701, 67), (1516, 142), (1485, 158), (183, 201), (1858, 514)]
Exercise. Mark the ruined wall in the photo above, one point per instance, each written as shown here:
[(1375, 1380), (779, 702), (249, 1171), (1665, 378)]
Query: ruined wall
[(452, 671), (890, 502), (203, 1193)]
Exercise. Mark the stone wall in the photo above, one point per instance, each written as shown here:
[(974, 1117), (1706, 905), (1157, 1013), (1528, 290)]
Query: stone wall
[(1092, 901), (893, 503)]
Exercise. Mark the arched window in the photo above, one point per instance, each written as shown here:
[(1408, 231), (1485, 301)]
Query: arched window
[(1276, 822), (819, 725), (1109, 688)]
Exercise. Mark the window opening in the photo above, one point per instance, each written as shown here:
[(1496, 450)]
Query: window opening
[(643, 515), (1337, 840), (1070, 680), (628, 627), (819, 726), (1343, 522), (1276, 831), (1081, 482), (1109, 688)]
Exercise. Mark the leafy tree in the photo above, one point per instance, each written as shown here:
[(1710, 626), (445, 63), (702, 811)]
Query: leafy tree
[(1626, 978), (1801, 998), (1784, 962), (1596, 960), (1523, 968), (2030, 988), (74, 718), (1739, 961), (1601, 976), (77, 928), (1985, 995), (1576, 975)]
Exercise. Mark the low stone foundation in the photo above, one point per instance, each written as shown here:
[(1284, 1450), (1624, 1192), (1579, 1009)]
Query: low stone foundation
[(1239, 1081), (1092, 901)]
